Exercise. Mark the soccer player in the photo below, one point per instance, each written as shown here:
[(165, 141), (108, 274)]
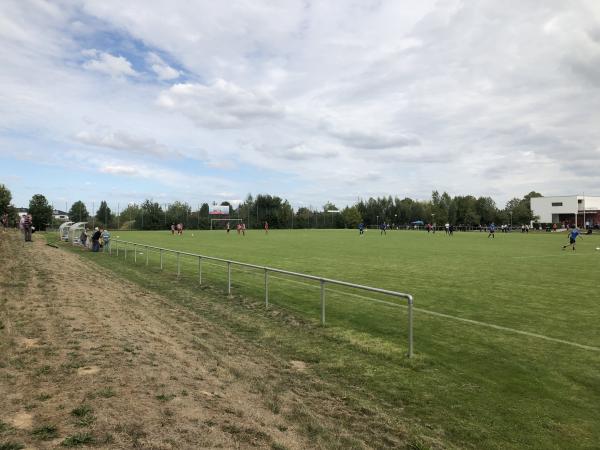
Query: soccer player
[(492, 230), (361, 228), (227, 227), (573, 235), (243, 227), (266, 227), (382, 228)]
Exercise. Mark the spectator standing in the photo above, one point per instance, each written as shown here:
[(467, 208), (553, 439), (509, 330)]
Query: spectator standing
[(83, 238), (96, 240), (27, 225), (106, 239)]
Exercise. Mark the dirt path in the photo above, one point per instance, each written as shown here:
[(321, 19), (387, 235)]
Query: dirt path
[(90, 359)]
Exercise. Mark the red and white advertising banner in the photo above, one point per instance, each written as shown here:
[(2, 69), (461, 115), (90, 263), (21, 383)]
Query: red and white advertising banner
[(218, 210)]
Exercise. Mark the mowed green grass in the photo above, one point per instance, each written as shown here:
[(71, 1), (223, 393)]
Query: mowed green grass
[(477, 385)]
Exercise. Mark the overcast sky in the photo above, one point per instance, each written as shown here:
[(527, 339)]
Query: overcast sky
[(313, 101)]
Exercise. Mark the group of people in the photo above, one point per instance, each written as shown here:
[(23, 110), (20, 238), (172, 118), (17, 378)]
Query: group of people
[(177, 228), (241, 228), (100, 239)]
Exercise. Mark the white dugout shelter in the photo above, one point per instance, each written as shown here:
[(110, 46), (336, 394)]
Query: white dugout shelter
[(75, 231), (63, 230)]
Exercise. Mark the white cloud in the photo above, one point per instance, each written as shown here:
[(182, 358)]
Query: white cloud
[(399, 97), (162, 69), (121, 140), (115, 66), (122, 170), (374, 140), (220, 105)]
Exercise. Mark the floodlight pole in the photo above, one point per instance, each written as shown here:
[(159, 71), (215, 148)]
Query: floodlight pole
[(584, 225), (511, 220)]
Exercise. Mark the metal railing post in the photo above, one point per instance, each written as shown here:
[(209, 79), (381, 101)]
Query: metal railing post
[(322, 302), (125, 252), (410, 326), (178, 264), (161, 259), (117, 244), (147, 253), (134, 253), (228, 278), (266, 288), (200, 270)]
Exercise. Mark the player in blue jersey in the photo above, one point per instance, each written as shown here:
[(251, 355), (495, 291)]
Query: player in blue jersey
[(573, 235), (382, 228), (492, 230), (361, 228)]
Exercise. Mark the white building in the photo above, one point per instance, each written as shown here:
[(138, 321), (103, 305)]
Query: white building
[(60, 215), (579, 210)]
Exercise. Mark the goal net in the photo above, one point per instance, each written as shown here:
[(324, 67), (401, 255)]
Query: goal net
[(221, 224)]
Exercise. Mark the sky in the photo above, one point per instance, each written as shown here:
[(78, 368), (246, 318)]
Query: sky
[(314, 101)]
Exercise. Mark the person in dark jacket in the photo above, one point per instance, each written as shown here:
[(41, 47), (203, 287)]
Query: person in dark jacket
[(96, 240)]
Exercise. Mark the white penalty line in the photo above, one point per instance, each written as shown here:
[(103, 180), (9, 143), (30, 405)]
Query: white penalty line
[(445, 316), (558, 255)]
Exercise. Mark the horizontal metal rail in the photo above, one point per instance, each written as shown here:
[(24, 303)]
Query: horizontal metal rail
[(322, 280)]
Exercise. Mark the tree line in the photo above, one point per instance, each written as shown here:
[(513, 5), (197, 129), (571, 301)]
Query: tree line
[(440, 209)]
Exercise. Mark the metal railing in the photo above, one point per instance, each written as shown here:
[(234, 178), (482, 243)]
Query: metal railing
[(322, 281)]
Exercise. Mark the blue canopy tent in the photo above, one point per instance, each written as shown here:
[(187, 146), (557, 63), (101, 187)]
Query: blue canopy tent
[(418, 222)]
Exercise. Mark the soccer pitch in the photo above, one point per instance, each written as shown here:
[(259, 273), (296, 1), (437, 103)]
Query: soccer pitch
[(506, 330)]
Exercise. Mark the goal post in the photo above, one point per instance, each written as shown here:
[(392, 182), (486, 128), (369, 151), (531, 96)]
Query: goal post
[(223, 220)]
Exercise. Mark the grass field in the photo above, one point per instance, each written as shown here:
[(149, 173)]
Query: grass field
[(525, 375)]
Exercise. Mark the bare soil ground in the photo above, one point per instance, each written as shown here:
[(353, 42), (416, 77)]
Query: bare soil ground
[(88, 359)]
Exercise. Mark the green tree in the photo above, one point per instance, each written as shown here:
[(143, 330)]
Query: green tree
[(104, 214), (128, 216), (486, 208), (5, 199), (204, 219), (351, 217), (519, 210), (6, 207), (78, 212), (40, 211), (179, 212), (150, 216), (302, 218)]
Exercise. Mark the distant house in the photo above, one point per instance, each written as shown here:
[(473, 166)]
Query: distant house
[(60, 215)]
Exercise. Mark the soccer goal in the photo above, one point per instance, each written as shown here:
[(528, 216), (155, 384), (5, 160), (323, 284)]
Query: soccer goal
[(222, 223)]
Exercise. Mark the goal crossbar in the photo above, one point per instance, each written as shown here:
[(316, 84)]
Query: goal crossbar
[(224, 220)]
